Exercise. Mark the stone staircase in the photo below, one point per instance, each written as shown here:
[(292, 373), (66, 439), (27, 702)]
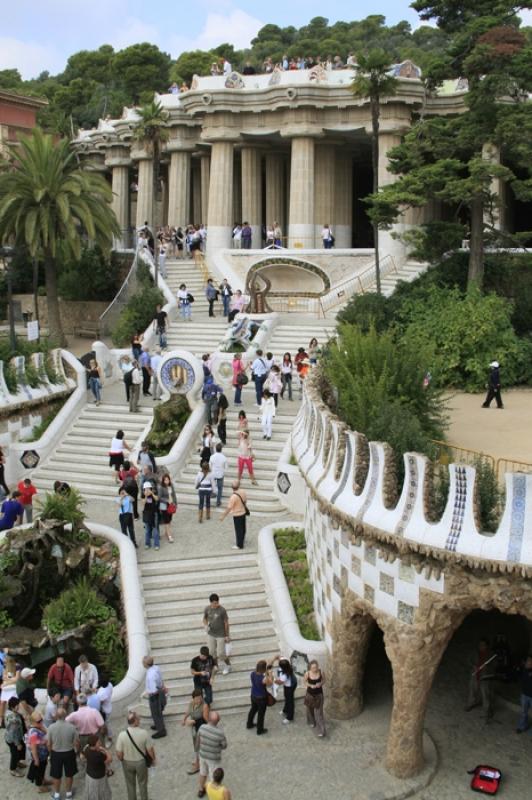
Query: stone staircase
[(408, 272), (295, 331), (175, 595), (261, 498)]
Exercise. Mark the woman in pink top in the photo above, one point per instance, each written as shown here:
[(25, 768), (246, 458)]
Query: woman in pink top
[(238, 369), (238, 302), (245, 456)]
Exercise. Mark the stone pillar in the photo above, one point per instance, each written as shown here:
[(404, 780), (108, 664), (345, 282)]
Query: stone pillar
[(301, 228), (343, 200), (196, 193), (220, 197), (275, 205), (237, 191), (324, 190), (145, 199), (388, 245), (252, 192), (179, 188), (121, 202), (415, 655), (351, 635), (205, 167)]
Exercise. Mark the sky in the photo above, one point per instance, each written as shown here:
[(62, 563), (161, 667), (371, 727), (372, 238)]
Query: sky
[(39, 35)]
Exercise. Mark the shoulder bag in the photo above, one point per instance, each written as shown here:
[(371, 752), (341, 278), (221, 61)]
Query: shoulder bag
[(146, 756), (248, 512)]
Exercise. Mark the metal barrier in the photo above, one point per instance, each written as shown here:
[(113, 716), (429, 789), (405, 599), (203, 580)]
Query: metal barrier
[(359, 284), (505, 465), (448, 453)]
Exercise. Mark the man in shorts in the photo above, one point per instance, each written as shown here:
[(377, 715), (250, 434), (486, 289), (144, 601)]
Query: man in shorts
[(217, 623), (62, 742), (212, 741)]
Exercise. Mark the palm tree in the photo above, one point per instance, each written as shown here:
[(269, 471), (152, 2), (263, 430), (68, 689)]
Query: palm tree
[(48, 203), (151, 131), (373, 81)]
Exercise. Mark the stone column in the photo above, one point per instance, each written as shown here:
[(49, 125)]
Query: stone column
[(196, 193), (145, 199), (324, 190), (343, 200), (390, 246), (252, 192), (205, 167), (121, 202), (301, 228), (179, 188), (351, 636), (220, 197), (237, 191), (275, 206)]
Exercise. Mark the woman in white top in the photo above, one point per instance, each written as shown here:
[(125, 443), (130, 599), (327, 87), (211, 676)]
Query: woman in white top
[(105, 695), (206, 488), (326, 235), (286, 375), (274, 383), (267, 410), (116, 453), (183, 301)]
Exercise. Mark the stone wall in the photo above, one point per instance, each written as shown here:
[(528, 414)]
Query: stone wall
[(74, 314)]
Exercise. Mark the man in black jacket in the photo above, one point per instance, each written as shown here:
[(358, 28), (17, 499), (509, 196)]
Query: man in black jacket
[(494, 386)]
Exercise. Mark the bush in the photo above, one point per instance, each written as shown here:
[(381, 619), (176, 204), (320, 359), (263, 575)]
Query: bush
[(367, 310), (53, 410), (489, 495), (65, 508), (137, 314), (169, 419), (74, 607), (93, 277), (292, 550)]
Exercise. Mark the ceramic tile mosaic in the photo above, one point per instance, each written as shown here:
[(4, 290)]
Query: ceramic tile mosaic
[(370, 554), (413, 480), (407, 573), (458, 509), (369, 593), (386, 583), (336, 584), (348, 457), (405, 612), (517, 523), (356, 565)]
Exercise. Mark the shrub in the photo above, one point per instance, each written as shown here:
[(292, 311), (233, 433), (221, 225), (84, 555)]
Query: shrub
[(93, 277), (137, 314), (489, 495), (65, 508), (6, 620), (168, 421), (74, 607), (292, 550), (367, 310), (53, 410)]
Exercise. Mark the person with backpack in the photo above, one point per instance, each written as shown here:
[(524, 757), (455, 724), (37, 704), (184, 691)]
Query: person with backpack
[(210, 397), (259, 374)]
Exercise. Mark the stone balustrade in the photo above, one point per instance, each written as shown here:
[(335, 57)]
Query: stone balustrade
[(27, 396)]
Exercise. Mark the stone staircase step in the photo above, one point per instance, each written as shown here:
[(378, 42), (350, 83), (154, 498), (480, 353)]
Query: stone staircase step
[(229, 588), (258, 647), (190, 638), (189, 622), (233, 561), (195, 602), (168, 580)]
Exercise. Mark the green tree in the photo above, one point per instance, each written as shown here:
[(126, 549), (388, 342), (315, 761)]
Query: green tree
[(151, 131), (373, 81), (46, 200), (190, 63), (142, 69)]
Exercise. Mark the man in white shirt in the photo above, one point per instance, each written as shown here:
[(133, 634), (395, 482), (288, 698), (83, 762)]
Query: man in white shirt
[(155, 363), (85, 677), (134, 391), (259, 371), (218, 465), (227, 67), (156, 692)]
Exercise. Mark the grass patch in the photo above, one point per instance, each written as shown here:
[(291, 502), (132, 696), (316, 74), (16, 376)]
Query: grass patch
[(292, 549)]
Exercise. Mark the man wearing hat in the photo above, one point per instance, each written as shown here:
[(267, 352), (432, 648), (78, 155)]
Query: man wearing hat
[(494, 386), (26, 690)]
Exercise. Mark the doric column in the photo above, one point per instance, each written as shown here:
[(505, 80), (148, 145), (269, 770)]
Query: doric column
[(324, 190), (145, 192), (301, 227), (237, 191), (388, 245), (252, 192), (196, 193), (179, 188), (275, 206), (220, 197), (343, 200), (205, 167), (118, 159)]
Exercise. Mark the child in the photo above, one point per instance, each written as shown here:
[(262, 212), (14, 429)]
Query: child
[(267, 413)]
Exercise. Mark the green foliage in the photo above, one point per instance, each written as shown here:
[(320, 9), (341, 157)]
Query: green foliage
[(76, 606), (489, 495), (54, 408), (141, 69), (169, 419), (65, 508), (367, 310), (431, 241), (379, 382), (6, 620), (92, 277), (292, 550), (137, 314)]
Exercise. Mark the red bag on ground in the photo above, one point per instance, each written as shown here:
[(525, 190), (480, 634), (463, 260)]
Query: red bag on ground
[(485, 780)]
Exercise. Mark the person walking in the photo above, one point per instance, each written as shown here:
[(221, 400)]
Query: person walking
[(62, 742), (131, 750), (215, 788), (97, 762), (14, 736), (494, 386), (136, 345), (160, 325), (128, 481), (216, 622), (259, 373), (150, 516), (313, 680), (313, 351), (126, 516), (38, 747), (212, 741), (208, 444), (116, 453), (287, 679), (134, 392), (203, 668), (184, 303), (247, 235), (260, 679), (236, 506), (206, 488), (245, 456), (267, 411), (239, 377), (167, 505), (12, 512), (481, 681), (196, 715), (221, 419), (156, 361), (145, 365), (156, 692), (94, 373), (27, 492), (274, 384), (211, 293), (218, 465), (327, 237)]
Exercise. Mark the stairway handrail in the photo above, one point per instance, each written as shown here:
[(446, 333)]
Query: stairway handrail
[(342, 291)]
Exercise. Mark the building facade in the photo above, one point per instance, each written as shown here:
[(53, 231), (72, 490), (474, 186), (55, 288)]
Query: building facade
[(18, 115)]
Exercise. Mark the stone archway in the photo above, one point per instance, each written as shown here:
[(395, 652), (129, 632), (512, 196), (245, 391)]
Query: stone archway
[(282, 277)]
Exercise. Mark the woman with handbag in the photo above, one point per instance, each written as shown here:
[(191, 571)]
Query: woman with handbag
[(287, 679), (167, 504), (196, 715), (260, 679), (97, 761), (313, 680), (239, 377), (184, 302)]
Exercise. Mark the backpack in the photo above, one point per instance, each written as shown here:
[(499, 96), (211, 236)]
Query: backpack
[(485, 780)]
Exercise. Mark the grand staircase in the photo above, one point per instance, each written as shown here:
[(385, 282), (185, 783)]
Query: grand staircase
[(408, 272)]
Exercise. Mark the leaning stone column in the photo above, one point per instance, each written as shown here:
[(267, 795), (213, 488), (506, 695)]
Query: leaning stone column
[(275, 206), (343, 201), (350, 640), (301, 227), (205, 167), (118, 159), (145, 200), (179, 188), (252, 192), (220, 197), (324, 190)]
